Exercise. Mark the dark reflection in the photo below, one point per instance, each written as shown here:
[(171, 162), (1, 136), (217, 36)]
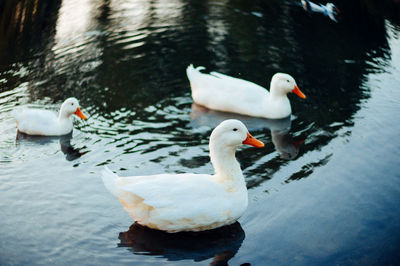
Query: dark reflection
[(221, 244), (284, 143), (70, 152), (209, 34), (26, 27)]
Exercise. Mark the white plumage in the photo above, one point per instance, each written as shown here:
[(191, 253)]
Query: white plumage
[(224, 93), (190, 202), (329, 9), (47, 123)]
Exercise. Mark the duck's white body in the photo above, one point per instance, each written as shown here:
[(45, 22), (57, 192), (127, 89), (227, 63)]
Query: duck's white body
[(329, 9), (47, 123), (190, 202), (182, 202), (224, 93)]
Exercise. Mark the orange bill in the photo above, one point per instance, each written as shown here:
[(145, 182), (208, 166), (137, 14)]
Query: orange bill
[(79, 113), (250, 140), (298, 92)]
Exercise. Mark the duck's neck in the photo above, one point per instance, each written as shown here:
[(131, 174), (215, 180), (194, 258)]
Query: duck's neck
[(62, 115), (277, 105), (277, 94), (227, 168), (64, 119)]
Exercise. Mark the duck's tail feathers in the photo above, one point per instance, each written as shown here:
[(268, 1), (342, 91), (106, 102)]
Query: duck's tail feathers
[(16, 113), (191, 71), (109, 179)]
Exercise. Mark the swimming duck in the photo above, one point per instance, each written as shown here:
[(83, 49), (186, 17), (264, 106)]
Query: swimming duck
[(329, 10), (45, 122), (190, 202), (224, 93)]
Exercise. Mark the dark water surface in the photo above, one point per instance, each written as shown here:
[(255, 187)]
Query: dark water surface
[(324, 190)]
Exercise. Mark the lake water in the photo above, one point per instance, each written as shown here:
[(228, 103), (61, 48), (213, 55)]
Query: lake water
[(324, 191)]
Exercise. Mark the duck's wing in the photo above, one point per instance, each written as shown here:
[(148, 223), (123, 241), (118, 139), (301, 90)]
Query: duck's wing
[(44, 116), (236, 82), (175, 202), (199, 80), (173, 191), (188, 200), (34, 121), (224, 93)]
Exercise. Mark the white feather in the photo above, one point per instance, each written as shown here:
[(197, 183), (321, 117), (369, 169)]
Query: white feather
[(224, 93), (189, 202), (45, 122)]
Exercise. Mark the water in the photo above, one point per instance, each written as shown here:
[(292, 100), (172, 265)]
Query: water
[(324, 190)]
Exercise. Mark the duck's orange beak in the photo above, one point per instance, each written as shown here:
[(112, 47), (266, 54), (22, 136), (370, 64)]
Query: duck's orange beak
[(298, 92), (79, 113), (250, 140)]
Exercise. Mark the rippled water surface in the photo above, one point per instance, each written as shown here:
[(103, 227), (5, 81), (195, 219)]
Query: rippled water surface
[(324, 190)]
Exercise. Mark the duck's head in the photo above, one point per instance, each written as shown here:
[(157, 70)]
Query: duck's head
[(70, 107), (332, 8), (282, 83), (306, 5), (233, 133)]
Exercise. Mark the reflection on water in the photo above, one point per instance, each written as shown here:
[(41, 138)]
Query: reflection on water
[(70, 152), (26, 24), (220, 244), (287, 147), (126, 61)]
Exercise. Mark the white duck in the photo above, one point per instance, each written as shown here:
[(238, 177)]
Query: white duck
[(190, 202), (45, 122), (224, 93), (329, 10)]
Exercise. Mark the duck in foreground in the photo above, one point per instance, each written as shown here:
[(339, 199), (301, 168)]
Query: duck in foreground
[(190, 202), (45, 122), (224, 93)]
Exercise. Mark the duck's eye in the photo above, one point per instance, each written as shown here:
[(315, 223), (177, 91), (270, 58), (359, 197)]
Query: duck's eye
[(72, 103), (287, 81), (235, 129)]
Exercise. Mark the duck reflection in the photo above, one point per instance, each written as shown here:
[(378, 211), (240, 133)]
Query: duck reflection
[(284, 144), (221, 244), (70, 152)]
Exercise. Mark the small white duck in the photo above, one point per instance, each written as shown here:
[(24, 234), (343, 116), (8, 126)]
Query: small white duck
[(45, 122), (190, 202), (329, 10), (224, 93)]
